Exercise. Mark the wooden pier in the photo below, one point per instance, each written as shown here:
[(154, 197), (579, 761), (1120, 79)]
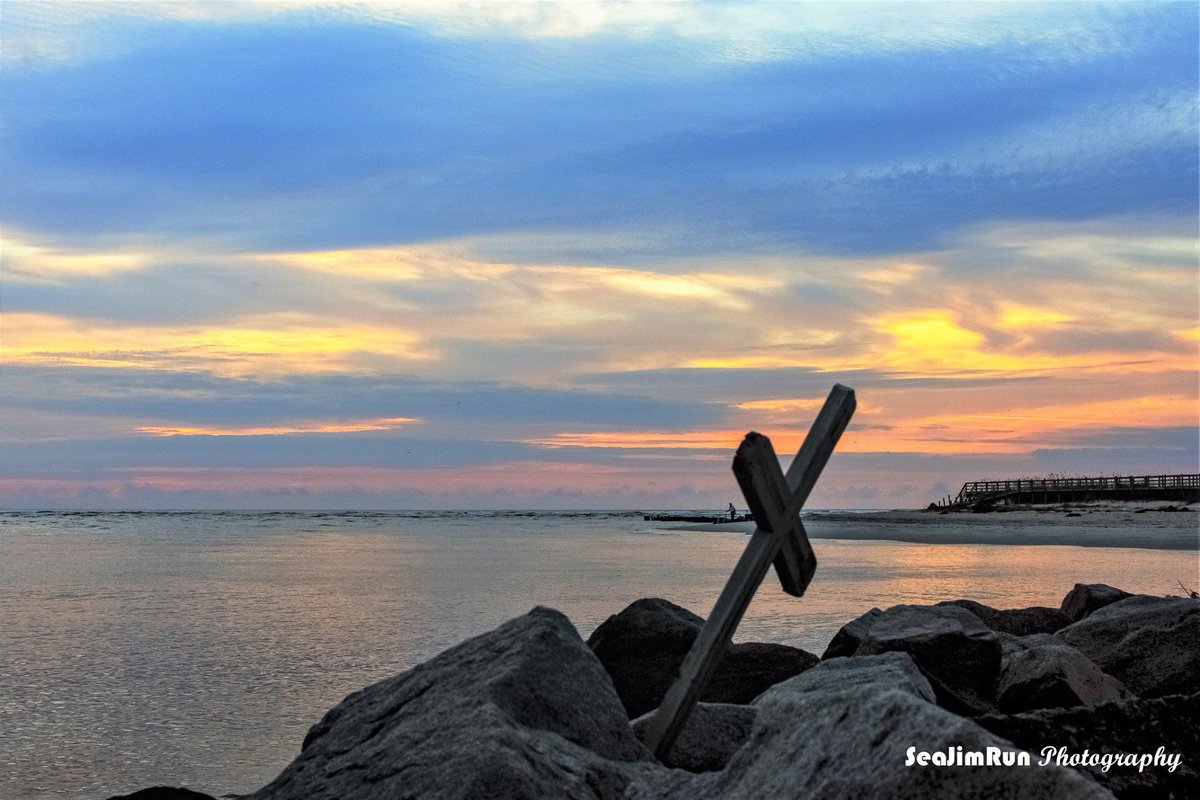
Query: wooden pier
[(1024, 491)]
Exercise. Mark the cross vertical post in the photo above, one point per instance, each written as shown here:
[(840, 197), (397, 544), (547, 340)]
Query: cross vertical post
[(775, 500)]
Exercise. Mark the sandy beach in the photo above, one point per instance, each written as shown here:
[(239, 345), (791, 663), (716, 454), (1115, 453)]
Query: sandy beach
[(1139, 525)]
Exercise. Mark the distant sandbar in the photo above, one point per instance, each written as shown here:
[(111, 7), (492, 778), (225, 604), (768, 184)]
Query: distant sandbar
[(1139, 525)]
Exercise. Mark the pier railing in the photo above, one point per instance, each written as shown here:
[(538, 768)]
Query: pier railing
[(976, 490)]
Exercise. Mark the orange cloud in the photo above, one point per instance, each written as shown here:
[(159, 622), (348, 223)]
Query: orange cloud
[(698, 440), (314, 426)]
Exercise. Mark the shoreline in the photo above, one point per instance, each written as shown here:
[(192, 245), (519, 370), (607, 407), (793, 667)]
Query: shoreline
[(1140, 526)]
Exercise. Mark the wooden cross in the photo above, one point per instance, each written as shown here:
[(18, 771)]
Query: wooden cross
[(775, 500)]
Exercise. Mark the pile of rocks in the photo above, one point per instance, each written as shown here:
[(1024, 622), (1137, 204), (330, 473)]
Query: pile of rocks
[(530, 710)]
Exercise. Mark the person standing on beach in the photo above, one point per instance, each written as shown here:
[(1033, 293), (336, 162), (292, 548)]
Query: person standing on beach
[(732, 512)]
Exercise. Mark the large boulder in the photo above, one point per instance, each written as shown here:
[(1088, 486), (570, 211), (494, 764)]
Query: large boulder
[(814, 737), (712, 734), (1162, 727), (851, 635), (951, 646), (715, 731), (1040, 671), (1017, 621), (1151, 644), (1088, 597), (868, 673), (644, 645), (524, 711)]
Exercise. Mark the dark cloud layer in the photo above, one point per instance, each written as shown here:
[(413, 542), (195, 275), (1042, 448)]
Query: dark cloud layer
[(190, 399)]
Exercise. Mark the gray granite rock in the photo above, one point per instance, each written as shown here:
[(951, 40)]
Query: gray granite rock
[(1016, 621), (853, 742), (1040, 671), (1151, 644), (643, 646), (1010, 644), (869, 673), (951, 646), (713, 733), (1088, 597), (851, 635), (1131, 726), (524, 711)]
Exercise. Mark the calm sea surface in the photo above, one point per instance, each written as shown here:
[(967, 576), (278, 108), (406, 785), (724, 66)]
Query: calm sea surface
[(197, 648)]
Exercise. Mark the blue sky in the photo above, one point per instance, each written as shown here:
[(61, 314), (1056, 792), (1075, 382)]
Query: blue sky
[(563, 255)]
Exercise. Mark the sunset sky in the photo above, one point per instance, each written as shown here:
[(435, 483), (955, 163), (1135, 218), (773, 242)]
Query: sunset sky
[(502, 255)]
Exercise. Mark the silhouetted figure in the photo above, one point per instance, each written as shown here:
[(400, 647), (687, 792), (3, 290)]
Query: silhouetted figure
[(732, 512)]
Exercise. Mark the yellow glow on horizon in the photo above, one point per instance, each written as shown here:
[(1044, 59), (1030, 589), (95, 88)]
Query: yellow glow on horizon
[(1188, 334), (1020, 317), (278, 344), (933, 334), (932, 342), (380, 424), (781, 406), (747, 362)]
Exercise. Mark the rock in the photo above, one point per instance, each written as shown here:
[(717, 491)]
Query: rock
[(1043, 672), (1151, 644), (524, 711), (1010, 644), (951, 646), (884, 671), (851, 635), (813, 738), (1132, 726), (163, 793), (1088, 597), (1017, 621), (751, 668), (643, 646), (713, 733)]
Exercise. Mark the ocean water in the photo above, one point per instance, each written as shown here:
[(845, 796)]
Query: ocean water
[(197, 648)]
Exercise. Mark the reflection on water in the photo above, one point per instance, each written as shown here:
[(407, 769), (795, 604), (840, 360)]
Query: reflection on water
[(197, 649)]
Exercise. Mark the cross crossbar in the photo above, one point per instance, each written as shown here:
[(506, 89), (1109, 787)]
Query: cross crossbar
[(775, 500)]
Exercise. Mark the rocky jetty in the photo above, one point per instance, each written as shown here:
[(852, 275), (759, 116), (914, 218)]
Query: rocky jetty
[(1094, 700)]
